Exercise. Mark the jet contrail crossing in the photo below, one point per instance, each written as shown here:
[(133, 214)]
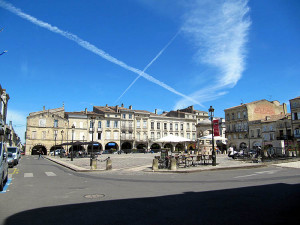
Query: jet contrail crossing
[(90, 47), (153, 60)]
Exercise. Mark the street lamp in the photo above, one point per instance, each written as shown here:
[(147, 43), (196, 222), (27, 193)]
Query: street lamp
[(55, 135), (211, 111), (62, 137), (92, 131), (73, 129)]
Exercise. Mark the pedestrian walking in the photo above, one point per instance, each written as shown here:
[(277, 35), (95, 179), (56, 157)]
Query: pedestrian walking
[(40, 153)]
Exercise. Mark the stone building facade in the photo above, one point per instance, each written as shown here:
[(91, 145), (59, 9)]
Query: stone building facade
[(243, 122), (295, 111), (115, 127), (7, 132)]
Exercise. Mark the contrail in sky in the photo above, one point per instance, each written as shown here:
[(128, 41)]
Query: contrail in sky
[(153, 60), (90, 47)]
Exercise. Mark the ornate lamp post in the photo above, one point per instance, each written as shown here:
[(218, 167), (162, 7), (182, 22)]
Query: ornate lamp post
[(62, 137), (92, 131), (73, 129), (214, 160)]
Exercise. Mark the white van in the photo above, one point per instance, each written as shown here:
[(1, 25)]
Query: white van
[(3, 165), (16, 154)]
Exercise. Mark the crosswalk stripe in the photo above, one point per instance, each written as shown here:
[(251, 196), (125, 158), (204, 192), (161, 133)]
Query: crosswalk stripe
[(50, 174), (28, 174)]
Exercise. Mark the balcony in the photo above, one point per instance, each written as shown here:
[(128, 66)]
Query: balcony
[(285, 137), (129, 128)]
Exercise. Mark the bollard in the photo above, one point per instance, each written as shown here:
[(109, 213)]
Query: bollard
[(173, 164), (155, 165), (108, 164), (94, 164)]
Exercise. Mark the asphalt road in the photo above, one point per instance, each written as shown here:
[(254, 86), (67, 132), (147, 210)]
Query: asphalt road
[(42, 192)]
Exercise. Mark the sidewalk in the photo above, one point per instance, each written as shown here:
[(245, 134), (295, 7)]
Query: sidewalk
[(143, 162)]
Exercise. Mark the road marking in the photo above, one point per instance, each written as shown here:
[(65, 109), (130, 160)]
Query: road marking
[(258, 173), (50, 174), (250, 175), (28, 174), (6, 186)]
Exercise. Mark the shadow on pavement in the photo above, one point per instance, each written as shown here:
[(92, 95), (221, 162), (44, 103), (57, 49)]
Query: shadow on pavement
[(268, 204)]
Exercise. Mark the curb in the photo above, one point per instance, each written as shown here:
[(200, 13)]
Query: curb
[(72, 167), (204, 170)]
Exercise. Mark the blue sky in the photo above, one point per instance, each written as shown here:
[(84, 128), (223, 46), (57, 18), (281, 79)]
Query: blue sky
[(187, 52)]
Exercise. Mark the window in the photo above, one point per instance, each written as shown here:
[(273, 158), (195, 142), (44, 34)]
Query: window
[(258, 132), (91, 124), (144, 123), (188, 126), (116, 135), (227, 117), (239, 115), (130, 124), (138, 124), (108, 123), (165, 126), (176, 126), (182, 135), (158, 135), (130, 116), (245, 114), (181, 126), (194, 127), (99, 124), (188, 135), (99, 135), (138, 136), (252, 133), (124, 116), (55, 123), (115, 124), (176, 134), (152, 135), (145, 136), (42, 123), (194, 136), (107, 135), (171, 126), (158, 125), (232, 116), (152, 125)]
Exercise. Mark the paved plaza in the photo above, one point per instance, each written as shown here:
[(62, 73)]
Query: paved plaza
[(140, 162)]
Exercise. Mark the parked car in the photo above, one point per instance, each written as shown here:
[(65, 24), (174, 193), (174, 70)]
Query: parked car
[(16, 154), (10, 160), (3, 165), (57, 152)]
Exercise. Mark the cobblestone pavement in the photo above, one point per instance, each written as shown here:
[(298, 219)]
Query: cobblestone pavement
[(140, 162)]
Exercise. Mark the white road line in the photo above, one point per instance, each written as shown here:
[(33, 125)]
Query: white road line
[(50, 174), (250, 175), (28, 174)]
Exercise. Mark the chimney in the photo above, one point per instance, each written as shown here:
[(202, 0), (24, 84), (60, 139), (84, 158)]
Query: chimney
[(155, 111), (43, 108), (117, 108), (106, 105), (85, 110), (122, 105), (130, 107)]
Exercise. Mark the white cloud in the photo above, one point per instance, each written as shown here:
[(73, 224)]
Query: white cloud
[(218, 30)]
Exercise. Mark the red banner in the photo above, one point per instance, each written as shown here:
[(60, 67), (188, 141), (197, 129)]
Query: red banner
[(216, 127)]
